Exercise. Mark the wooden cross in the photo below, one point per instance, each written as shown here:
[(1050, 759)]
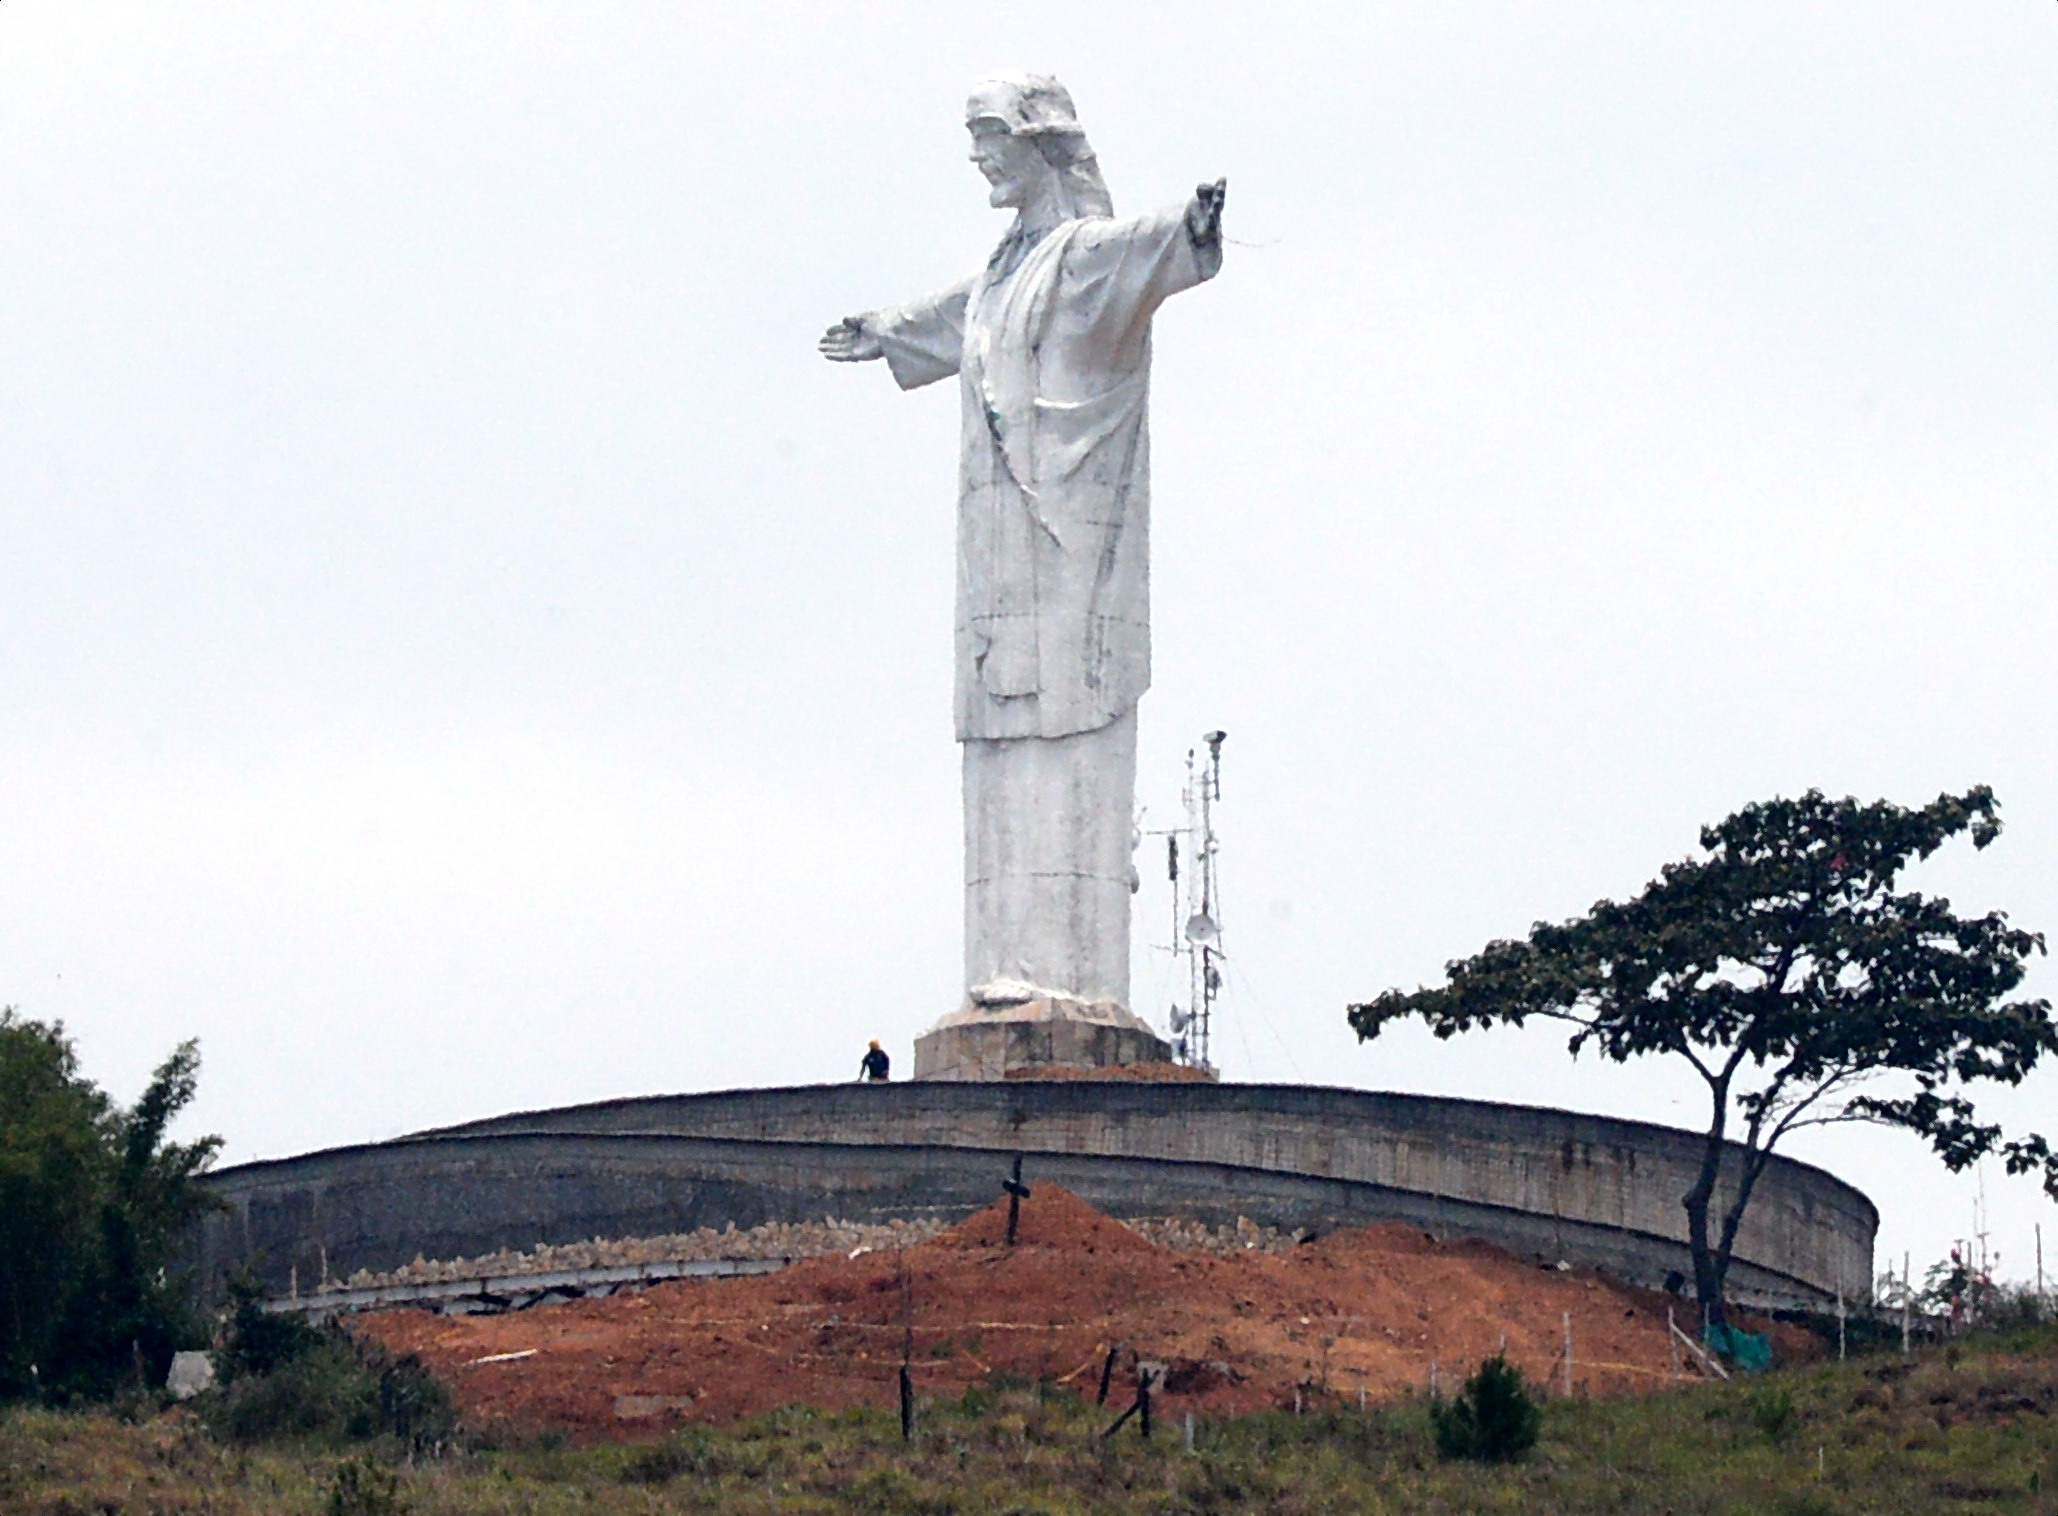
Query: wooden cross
[(1017, 1193)]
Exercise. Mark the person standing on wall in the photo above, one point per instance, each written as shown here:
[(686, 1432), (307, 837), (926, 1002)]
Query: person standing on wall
[(876, 1064)]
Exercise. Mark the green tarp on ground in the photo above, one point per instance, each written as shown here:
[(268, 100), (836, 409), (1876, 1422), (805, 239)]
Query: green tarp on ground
[(1749, 1351)]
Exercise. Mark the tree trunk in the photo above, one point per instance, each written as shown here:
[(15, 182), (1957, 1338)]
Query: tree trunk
[(1708, 1277), (1732, 1220)]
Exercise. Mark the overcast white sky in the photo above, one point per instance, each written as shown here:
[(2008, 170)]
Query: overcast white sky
[(461, 650)]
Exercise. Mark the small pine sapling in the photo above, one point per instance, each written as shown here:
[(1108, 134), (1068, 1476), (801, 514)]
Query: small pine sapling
[(1493, 1419)]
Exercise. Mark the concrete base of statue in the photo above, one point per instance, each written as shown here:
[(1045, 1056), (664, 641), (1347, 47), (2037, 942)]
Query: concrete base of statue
[(989, 1042)]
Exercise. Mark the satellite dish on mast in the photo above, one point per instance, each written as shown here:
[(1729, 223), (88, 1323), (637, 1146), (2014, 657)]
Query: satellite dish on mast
[(1196, 931)]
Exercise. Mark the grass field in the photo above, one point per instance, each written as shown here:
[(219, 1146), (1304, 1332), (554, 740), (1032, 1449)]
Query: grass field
[(1970, 1428)]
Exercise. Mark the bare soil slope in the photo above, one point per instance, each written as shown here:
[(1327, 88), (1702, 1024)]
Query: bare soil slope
[(1371, 1308)]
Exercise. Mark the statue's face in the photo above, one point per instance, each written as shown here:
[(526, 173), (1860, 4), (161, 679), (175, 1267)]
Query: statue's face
[(1011, 164)]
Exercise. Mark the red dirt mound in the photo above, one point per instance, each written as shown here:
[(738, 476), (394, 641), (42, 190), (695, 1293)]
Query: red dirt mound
[(1051, 1218), (1372, 1308)]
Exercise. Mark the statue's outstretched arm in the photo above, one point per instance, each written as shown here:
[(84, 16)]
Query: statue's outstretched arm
[(851, 341), (920, 341)]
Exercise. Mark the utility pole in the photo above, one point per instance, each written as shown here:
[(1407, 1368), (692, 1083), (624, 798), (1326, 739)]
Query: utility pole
[(1907, 1298), (1196, 906)]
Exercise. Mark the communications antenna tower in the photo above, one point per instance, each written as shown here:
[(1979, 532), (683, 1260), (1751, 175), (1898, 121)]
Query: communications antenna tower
[(1196, 905)]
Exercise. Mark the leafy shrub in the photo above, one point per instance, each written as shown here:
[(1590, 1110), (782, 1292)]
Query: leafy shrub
[(364, 1487), (259, 1341), (690, 1450), (700, 1452), (323, 1393), (1773, 1413), (1493, 1419), (2012, 1307), (415, 1407), (286, 1379)]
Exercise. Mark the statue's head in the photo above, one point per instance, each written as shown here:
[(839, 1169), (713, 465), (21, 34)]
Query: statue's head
[(1025, 133)]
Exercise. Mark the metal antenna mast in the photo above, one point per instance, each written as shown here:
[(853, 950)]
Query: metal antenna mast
[(1196, 909)]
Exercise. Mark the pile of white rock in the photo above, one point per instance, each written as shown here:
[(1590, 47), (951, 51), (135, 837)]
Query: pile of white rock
[(779, 1239), (1197, 1237), (775, 1239)]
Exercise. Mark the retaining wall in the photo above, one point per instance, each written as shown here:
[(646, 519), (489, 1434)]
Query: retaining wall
[(1544, 1183)]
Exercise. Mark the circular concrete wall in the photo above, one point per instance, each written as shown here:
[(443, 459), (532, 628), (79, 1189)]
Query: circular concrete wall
[(1543, 1183)]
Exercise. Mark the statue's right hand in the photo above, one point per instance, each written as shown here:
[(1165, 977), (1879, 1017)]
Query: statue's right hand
[(848, 341)]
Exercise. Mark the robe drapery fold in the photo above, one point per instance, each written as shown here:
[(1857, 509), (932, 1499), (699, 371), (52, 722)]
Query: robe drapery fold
[(1051, 344), (1053, 357)]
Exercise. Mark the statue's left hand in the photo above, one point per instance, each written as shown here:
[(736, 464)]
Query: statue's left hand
[(1204, 215), (849, 342)]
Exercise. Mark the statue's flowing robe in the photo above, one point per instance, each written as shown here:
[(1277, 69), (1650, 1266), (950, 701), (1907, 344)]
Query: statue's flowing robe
[(1051, 344)]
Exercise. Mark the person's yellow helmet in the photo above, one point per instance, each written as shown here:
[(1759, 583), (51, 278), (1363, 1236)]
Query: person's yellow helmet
[(875, 1042)]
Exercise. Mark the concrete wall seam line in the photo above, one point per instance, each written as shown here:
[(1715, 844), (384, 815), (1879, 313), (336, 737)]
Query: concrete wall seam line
[(1150, 1100)]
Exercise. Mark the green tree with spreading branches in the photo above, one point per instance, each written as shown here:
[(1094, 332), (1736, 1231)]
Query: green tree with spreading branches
[(94, 1203), (1788, 971)]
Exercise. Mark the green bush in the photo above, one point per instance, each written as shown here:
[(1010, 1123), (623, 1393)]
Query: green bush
[(415, 1407), (323, 1394), (259, 1341), (284, 1379), (1494, 1418), (364, 1487), (1773, 1413), (690, 1450)]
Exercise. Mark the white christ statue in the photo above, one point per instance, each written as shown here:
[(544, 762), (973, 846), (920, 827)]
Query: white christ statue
[(1051, 346)]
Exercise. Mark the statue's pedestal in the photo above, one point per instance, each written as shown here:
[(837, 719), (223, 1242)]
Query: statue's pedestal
[(988, 1042)]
